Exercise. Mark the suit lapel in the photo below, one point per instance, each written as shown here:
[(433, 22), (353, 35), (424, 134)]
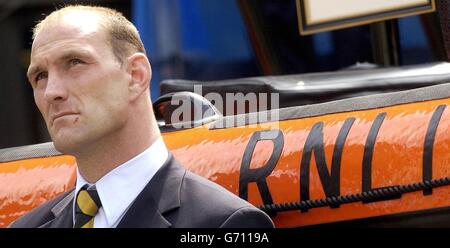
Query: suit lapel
[(160, 195), (143, 214), (64, 219), (63, 212)]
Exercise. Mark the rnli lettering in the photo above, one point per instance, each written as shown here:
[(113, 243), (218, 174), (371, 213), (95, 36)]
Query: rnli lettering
[(314, 142), (330, 179), (260, 174), (368, 152), (428, 146)]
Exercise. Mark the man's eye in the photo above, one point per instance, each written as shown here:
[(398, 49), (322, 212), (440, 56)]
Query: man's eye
[(73, 62), (41, 76)]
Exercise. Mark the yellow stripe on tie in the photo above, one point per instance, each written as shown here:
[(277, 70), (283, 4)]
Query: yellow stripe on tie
[(86, 204), (89, 224)]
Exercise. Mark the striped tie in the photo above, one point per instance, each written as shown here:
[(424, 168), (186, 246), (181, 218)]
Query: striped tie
[(88, 203)]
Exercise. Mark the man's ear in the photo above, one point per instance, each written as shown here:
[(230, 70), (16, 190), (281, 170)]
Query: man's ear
[(141, 72)]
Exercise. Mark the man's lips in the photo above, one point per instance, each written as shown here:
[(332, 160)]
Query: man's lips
[(62, 114)]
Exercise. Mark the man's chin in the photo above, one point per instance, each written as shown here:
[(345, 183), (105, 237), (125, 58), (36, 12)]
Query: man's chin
[(67, 144), (64, 147), (64, 139)]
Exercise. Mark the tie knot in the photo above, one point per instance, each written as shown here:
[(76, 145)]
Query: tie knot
[(87, 205)]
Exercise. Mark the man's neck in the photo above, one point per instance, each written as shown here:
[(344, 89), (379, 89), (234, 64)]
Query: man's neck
[(96, 162)]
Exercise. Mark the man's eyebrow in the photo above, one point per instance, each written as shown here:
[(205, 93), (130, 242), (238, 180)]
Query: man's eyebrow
[(71, 54)]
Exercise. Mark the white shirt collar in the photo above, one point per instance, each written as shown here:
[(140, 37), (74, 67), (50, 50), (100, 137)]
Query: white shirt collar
[(120, 187)]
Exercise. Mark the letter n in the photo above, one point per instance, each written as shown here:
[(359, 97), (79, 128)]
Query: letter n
[(314, 142)]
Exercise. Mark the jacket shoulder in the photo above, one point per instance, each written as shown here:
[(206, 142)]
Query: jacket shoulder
[(215, 206)]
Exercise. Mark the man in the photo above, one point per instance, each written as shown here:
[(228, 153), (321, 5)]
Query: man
[(90, 78)]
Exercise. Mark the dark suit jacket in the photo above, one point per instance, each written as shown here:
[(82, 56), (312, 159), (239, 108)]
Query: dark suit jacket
[(173, 198)]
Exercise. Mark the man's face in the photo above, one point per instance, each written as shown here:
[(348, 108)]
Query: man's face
[(79, 86)]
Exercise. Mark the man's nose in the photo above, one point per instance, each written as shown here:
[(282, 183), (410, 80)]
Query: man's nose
[(56, 88)]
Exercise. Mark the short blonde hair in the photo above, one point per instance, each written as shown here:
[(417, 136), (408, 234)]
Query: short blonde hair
[(123, 35)]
